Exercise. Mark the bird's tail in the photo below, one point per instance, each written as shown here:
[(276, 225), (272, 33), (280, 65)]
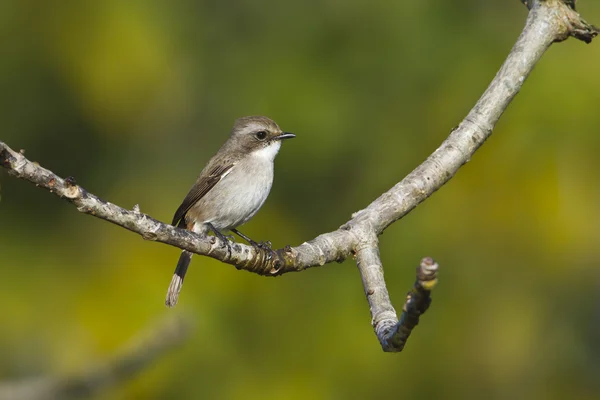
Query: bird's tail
[(177, 281)]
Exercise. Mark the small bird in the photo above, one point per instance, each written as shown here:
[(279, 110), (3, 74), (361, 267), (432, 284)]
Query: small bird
[(230, 189)]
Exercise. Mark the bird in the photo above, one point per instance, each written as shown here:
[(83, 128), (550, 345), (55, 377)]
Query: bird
[(231, 188)]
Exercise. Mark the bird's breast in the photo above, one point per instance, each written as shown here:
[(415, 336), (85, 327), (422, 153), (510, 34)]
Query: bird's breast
[(238, 196)]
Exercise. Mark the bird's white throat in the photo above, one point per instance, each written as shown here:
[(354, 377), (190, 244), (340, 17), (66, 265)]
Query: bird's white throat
[(269, 152)]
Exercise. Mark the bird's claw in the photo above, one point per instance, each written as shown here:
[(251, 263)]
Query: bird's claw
[(261, 245), (265, 245)]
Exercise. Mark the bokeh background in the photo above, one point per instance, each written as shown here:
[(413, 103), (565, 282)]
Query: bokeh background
[(132, 98)]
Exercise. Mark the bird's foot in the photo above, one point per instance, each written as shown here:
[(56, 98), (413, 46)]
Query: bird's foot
[(264, 248), (265, 245), (260, 245)]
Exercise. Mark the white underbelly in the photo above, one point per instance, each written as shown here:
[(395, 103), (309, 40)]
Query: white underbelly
[(237, 197)]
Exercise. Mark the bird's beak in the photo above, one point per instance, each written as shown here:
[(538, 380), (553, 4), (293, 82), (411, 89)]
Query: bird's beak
[(284, 135)]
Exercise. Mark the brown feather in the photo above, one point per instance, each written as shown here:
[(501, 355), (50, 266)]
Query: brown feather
[(198, 191)]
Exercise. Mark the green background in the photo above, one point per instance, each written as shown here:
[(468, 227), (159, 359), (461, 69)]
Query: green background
[(132, 98)]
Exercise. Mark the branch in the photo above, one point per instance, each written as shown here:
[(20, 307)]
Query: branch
[(548, 21), (324, 248), (565, 13), (393, 334), (140, 354)]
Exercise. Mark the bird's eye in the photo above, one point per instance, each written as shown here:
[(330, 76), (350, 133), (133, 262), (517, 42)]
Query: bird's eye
[(261, 135)]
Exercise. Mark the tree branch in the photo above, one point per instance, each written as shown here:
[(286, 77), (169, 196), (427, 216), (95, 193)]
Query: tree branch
[(393, 334), (566, 15), (548, 21), (323, 249), (138, 355)]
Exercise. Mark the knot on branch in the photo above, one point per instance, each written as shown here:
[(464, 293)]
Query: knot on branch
[(578, 27), (427, 274), (72, 190), (530, 3), (574, 25), (583, 31), (6, 159)]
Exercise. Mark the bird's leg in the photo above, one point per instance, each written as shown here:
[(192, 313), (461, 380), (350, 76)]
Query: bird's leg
[(262, 245), (224, 239), (217, 233)]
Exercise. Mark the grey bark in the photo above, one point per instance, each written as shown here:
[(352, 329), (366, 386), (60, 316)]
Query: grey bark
[(548, 21)]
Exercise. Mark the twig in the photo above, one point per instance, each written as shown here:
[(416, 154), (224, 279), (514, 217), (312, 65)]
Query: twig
[(391, 332)]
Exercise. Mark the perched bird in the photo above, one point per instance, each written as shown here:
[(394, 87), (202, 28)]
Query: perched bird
[(230, 189)]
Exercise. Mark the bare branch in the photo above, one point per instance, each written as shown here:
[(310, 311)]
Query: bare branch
[(323, 249), (549, 21), (393, 334), (567, 16), (138, 355), (545, 25)]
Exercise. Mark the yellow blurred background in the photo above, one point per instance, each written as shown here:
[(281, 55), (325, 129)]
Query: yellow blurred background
[(132, 98)]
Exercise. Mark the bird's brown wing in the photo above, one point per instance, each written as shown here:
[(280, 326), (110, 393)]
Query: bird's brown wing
[(200, 188)]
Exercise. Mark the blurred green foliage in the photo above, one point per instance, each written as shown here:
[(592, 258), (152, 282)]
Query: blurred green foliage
[(132, 98)]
